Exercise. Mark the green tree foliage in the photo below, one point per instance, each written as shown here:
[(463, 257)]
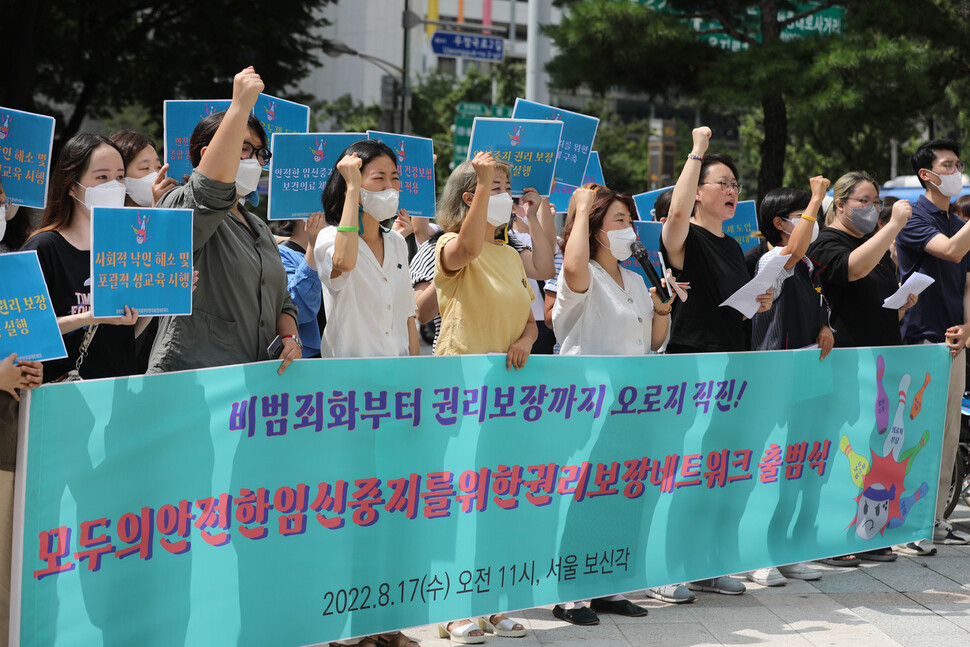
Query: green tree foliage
[(78, 60), (344, 114)]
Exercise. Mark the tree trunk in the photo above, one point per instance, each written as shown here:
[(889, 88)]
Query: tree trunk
[(772, 172)]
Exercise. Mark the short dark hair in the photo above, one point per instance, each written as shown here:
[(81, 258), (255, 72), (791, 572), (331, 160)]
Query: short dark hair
[(130, 143), (206, 129), (961, 207), (662, 205), (333, 194), (716, 158), (925, 155), (887, 209), (778, 203)]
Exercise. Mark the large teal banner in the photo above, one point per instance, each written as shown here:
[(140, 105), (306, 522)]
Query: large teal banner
[(234, 506)]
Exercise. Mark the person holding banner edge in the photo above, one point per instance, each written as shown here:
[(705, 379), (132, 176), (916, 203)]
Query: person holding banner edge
[(241, 301)]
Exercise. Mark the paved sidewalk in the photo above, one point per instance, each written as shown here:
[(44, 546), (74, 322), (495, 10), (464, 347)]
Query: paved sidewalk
[(913, 601)]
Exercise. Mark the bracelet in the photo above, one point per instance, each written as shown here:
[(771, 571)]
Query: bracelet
[(691, 156), (347, 228), (809, 218), (295, 338)]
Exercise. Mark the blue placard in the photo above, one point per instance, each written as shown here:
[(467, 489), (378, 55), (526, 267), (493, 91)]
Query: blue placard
[(299, 170), (743, 224), (25, 152), (649, 234), (483, 48), (28, 325), (528, 145), (561, 193), (415, 167), (645, 202), (141, 258), (575, 144), (281, 116), (180, 118)]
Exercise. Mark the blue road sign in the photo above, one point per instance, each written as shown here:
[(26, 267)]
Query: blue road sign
[(484, 48)]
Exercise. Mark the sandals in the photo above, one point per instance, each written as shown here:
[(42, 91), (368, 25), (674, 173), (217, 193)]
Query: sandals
[(506, 627), (395, 639), (462, 634), (842, 560)]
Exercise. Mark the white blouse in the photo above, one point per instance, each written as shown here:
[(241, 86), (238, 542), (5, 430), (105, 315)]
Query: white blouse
[(605, 320)]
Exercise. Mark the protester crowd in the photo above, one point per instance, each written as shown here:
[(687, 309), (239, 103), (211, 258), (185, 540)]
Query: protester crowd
[(495, 276)]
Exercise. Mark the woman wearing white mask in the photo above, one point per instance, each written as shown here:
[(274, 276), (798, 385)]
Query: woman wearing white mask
[(145, 177), (602, 308), (788, 221), (483, 294), (362, 261), (241, 303), (88, 173)]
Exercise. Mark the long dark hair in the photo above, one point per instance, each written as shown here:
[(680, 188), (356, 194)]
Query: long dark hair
[(333, 194), (601, 204), (206, 129), (130, 143), (71, 164)]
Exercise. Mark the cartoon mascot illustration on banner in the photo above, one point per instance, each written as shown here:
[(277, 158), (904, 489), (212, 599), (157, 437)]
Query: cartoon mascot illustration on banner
[(881, 504), (141, 231)]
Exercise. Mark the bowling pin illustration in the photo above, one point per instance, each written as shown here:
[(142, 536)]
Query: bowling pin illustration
[(894, 441), (918, 399), (882, 400), (858, 464)]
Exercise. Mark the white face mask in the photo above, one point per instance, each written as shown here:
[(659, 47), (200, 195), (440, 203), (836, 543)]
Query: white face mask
[(140, 189), (247, 177), (381, 205), (621, 241), (950, 185), (3, 221), (109, 194), (499, 209), (795, 222)]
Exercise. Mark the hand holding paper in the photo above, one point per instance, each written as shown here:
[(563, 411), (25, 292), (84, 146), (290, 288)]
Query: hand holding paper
[(916, 283), (751, 297)]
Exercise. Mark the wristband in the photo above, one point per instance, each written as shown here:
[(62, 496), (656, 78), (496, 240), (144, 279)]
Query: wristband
[(294, 338), (691, 156), (809, 218), (349, 228)]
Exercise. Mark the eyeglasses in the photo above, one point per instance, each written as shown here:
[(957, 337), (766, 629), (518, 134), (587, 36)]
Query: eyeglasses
[(725, 187), (866, 202), (262, 153), (950, 167)]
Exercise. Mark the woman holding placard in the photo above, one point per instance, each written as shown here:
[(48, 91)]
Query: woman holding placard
[(145, 179), (88, 173), (241, 302)]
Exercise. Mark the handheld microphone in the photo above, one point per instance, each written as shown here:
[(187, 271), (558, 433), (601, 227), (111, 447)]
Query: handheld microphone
[(640, 253)]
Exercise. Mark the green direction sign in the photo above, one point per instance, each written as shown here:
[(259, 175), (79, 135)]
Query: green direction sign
[(463, 136), (469, 109), (503, 112), (821, 23)]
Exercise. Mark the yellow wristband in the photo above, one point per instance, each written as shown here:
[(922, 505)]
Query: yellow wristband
[(809, 218)]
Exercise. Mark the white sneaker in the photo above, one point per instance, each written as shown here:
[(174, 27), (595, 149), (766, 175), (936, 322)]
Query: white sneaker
[(943, 533), (921, 548), (675, 593), (767, 577), (801, 571)]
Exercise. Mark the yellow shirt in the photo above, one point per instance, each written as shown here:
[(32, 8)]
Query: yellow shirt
[(484, 305)]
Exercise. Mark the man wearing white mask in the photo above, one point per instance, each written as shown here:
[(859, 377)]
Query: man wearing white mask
[(935, 242), (241, 303)]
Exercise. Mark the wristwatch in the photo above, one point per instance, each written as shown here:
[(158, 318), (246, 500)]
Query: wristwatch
[(295, 338)]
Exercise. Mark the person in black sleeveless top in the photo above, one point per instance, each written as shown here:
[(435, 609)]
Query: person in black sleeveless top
[(799, 318), (697, 249)]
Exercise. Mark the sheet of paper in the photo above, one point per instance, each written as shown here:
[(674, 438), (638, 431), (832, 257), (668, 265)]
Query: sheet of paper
[(916, 283), (745, 300)]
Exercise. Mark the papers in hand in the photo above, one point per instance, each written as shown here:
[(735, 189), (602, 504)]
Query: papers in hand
[(745, 300), (916, 283)]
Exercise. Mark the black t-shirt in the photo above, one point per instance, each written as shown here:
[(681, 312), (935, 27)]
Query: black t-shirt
[(857, 313), (795, 318), (715, 267), (67, 271)]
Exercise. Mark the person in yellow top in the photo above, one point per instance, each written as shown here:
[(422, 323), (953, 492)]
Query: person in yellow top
[(482, 288)]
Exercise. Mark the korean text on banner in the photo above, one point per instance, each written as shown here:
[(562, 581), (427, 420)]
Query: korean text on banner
[(528, 145), (743, 224), (561, 193), (26, 140), (299, 170), (646, 201), (363, 495), (28, 325), (179, 118), (141, 258), (415, 167), (576, 143)]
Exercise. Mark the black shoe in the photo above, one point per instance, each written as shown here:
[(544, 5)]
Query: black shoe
[(578, 616), (618, 607)]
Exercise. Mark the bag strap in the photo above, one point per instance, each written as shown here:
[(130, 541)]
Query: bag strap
[(85, 344)]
